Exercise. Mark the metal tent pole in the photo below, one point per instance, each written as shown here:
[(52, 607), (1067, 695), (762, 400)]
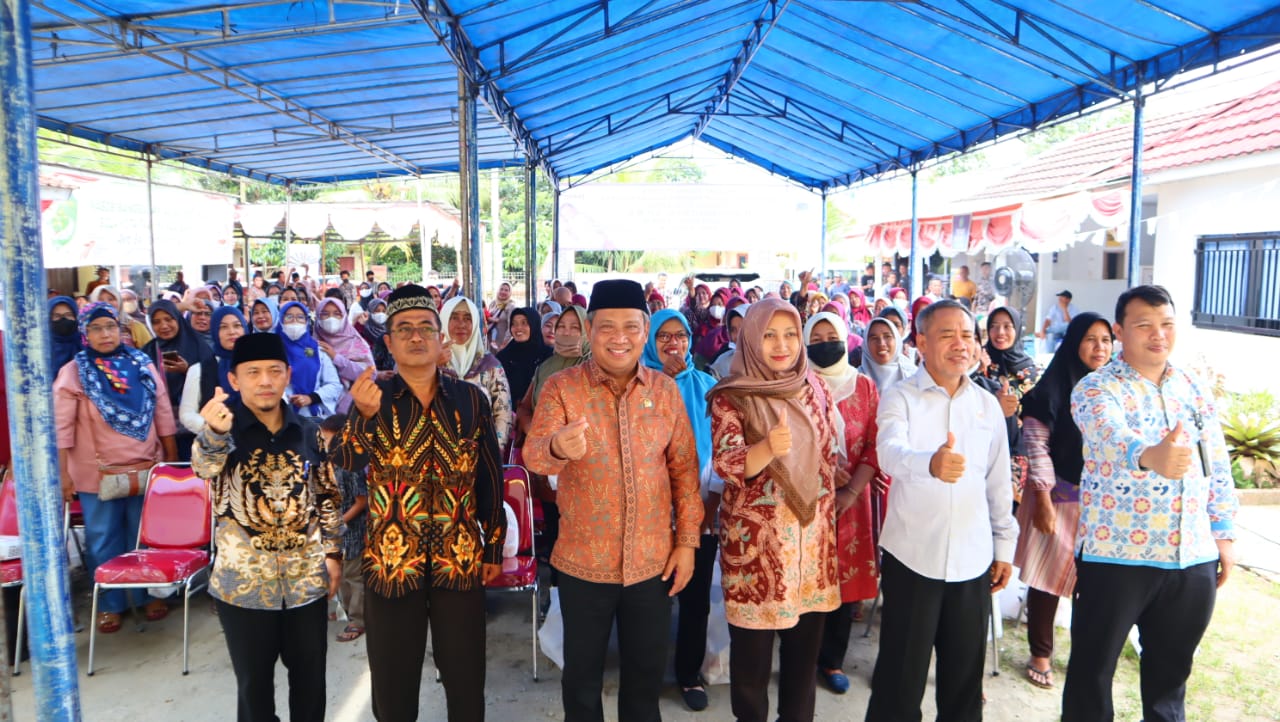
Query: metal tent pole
[(555, 231), (468, 172), (530, 232), (29, 378), (913, 268), (151, 235), (1135, 188), (422, 236), (823, 230), (288, 227)]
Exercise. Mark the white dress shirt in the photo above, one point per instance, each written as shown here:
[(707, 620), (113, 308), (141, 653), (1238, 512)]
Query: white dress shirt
[(939, 530)]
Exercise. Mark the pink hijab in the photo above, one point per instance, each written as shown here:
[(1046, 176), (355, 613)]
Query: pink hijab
[(348, 342)]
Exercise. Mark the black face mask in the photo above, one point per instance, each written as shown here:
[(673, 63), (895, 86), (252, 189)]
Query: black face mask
[(827, 353), (65, 327)]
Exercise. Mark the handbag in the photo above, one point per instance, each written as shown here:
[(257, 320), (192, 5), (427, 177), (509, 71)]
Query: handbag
[(118, 482)]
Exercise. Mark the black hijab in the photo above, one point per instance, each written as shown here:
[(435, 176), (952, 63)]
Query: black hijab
[(188, 344), (1013, 359), (1050, 400), (521, 358)]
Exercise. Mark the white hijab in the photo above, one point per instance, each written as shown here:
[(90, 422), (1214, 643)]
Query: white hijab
[(885, 375), (467, 354)]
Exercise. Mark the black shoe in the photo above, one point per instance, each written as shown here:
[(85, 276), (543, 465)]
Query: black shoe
[(695, 698)]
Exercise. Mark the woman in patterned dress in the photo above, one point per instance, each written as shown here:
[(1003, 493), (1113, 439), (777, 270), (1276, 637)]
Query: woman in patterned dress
[(774, 445), (856, 400), (1050, 510)]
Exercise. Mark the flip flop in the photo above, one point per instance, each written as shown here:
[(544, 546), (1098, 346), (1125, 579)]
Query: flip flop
[(1042, 678), (350, 634), (156, 610), (108, 622)]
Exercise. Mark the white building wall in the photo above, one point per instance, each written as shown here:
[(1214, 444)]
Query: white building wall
[(1240, 201)]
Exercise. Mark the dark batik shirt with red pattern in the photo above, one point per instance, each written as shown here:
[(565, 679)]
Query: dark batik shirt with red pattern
[(435, 487)]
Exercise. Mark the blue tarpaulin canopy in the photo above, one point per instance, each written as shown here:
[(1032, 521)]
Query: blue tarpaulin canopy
[(823, 92)]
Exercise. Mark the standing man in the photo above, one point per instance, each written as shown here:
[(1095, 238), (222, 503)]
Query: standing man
[(1056, 321), (179, 285), (617, 435), (986, 290), (436, 523), (346, 288), (1156, 516), (949, 536), (962, 287), (934, 288), (103, 279), (277, 532)]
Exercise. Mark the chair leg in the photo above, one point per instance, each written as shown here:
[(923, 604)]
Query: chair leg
[(17, 644), (533, 629), (871, 615), (93, 628), (186, 623), (995, 643)]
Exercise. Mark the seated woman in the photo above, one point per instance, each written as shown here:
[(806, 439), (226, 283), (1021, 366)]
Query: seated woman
[(212, 373), (470, 359), (314, 387), (113, 417)]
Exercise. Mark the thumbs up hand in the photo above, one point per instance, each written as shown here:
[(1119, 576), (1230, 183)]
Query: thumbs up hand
[(1168, 458), (946, 464), (1008, 400), (570, 442), (780, 437), (216, 414)]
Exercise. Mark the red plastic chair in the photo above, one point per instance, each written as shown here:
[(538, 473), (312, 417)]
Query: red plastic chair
[(520, 573), (11, 569), (174, 541)]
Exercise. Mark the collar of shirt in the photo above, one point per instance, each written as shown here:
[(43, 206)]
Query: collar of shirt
[(1129, 373), (245, 422), (925, 382), (598, 376), (398, 387)]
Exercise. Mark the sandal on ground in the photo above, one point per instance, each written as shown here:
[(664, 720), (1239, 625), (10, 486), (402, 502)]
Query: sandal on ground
[(1042, 678), (835, 679), (108, 622), (156, 610), (695, 698), (350, 634)]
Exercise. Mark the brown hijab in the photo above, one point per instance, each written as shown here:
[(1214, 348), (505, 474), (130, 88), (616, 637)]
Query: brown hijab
[(761, 395)]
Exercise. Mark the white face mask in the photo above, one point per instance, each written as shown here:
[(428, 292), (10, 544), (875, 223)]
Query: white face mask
[(295, 331), (900, 303), (331, 325), (130, 306), (378, 317), (366, 292), (215, 303), (717, 312)]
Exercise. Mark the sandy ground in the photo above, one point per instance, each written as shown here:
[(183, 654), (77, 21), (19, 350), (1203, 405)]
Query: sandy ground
[(139, 677)]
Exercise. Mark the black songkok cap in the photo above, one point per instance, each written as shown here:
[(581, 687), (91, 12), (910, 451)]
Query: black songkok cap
[(617, 293), (408, 297), (258, 347)]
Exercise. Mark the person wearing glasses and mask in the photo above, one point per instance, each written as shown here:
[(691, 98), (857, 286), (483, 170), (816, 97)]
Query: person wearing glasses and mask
[(436, 523)]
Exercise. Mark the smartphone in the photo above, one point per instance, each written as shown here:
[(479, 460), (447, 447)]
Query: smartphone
[(172, 356)]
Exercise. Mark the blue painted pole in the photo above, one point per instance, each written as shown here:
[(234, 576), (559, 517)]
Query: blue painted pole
[(823, 231), (913, 268), (531, 232), (468, 176), (555, 231), (28, 381), (1135, 189)]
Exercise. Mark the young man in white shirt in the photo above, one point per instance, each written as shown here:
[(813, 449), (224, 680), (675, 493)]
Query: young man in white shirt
[(949, 535)]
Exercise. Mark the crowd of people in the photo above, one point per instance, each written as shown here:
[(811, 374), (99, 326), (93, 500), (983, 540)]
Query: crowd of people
[(822, 451)]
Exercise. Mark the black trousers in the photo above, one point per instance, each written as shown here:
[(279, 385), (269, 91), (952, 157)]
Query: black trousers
[(1042, 607), (1171, 607), (643, 614), (396, 639), (751, 663), (923, 615), (695, 605), (835, 636), (256, 638)]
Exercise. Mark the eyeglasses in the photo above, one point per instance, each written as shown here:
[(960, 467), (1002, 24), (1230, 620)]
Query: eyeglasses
[(407, 333), (668, 337), (202, 313), (101, 328)]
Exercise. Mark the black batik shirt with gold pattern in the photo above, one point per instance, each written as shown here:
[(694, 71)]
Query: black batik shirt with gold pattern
[(435, 487), (276, 509)]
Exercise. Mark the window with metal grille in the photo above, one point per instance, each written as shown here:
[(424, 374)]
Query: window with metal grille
[(1238, 283)]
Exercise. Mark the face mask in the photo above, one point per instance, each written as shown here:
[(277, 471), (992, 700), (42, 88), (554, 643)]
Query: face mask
[(378, 317), (827, 353), (366, 292), (900, 303), (215, 303), (295, 331), (717, 312), (331, 325), (65, 327), (130, 306)]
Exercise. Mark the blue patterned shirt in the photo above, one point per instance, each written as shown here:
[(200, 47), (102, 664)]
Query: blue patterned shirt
[(1131, 516)]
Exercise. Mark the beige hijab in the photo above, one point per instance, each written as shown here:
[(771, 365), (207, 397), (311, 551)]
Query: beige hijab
[(761, 395)]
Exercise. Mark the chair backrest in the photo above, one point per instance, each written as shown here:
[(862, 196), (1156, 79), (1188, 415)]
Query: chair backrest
[(518, 495), (8, 506), (176, 512)]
